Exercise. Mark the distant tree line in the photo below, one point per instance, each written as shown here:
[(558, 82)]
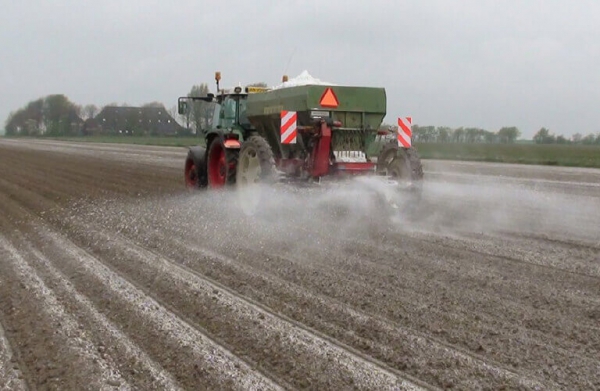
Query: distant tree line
[(445, 134), (505, 135), (55, 115), (544, 136)]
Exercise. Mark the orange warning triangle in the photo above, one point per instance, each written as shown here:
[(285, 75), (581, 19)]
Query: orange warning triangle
[(328, 99)]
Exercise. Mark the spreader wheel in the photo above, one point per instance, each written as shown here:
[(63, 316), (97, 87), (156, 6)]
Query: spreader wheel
[(388, 153), (256, 167), (404, 166), (401, 163), (221, 164)]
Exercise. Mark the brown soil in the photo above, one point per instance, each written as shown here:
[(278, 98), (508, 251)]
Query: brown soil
[(112, 276)]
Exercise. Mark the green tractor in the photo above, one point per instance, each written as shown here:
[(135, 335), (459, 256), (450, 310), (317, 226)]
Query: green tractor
[(308, 134)]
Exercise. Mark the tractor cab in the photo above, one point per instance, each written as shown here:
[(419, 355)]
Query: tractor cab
[(229, 107), (230, 111)]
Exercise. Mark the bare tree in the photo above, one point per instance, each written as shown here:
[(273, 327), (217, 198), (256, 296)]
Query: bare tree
[(154, 104), (181, 119), (200, 113), (90, 111)]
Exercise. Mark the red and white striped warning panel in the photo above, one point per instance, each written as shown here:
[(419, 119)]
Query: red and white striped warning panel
[(404, 132), (288, 127)]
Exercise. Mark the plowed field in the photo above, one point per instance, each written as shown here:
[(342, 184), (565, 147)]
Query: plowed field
[(112, 276)]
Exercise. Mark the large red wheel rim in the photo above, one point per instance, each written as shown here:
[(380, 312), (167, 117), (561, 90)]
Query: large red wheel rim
[(191, 176), (217, 173)]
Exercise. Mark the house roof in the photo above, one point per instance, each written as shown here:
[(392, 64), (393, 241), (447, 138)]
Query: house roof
[(146, 117)]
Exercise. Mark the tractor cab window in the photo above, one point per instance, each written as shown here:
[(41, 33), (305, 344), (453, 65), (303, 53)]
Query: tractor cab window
[(233, 111), (229, 110), (243, 117), (216, 115)]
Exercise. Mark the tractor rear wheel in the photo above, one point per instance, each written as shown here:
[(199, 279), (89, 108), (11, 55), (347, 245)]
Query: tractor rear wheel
[(220, 164), (256, 168)]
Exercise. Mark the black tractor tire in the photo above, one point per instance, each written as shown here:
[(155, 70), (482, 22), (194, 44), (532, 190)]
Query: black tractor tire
[(194, 172), (387, 154), (404, 163)]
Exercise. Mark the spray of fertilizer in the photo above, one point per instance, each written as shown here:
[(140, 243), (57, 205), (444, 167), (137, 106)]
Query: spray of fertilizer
[(302, 218)]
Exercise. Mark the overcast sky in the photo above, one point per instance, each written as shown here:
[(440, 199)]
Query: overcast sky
[(456, 63)]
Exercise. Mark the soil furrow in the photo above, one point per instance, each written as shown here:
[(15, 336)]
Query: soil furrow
[(541, 298), (510, 252), (358, 327), (162, 333), (285, 341), (488, 336), (489, 339), (411, 347), (209, 364), (11, 377), (351, 361), (575, 245), (572, 256), (137, 368), (56, 336), (65, 175)]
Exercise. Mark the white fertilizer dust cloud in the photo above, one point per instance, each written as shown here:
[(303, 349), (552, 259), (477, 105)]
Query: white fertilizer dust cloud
[(299, 216)]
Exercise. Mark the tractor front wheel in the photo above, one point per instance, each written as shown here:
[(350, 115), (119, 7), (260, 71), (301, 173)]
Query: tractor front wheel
[(191, 175)]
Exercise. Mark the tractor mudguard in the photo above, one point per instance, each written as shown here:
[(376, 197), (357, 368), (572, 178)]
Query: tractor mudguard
[(229, 140)]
